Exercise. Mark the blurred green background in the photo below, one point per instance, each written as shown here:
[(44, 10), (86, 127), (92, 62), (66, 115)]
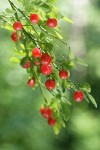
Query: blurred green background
[(21, 126)]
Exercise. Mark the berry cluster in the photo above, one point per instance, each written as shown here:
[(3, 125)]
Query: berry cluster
[(38, 36), (43, 61), (47, 113), (34, 19)]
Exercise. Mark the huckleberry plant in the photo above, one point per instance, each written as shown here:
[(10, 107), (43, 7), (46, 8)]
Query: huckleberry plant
[(35, 32)]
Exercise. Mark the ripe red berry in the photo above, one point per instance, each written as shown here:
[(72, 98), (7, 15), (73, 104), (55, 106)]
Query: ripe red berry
[(15, 37), (51, 23), (46, 59), (36, 52), (63, 74), (36, 62), (51, 121), (47, 113), (34, 18), (46, 69), (31, 82), (17, 25), (41, 110), (27, 65), (50, 84), (78, 96)]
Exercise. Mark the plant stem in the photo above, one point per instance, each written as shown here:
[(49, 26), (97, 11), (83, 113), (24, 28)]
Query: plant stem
[(51, 35), (41, 87), (38, 25)]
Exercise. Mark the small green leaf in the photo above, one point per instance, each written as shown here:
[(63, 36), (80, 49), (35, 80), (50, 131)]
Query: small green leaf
[(53, 104), (81, 62), (50, 46), (58, 14), (20, 53), (90, 97), (24, 61), (8, 10), (85, 87), (58, 96), (66, 111), (67, 19), (59, 35), (14, 60), (85, 97), (57, 127), (70, 54), (67, 65)]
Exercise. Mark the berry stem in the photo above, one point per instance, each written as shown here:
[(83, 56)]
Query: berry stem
[(41, 89), (16, 15)]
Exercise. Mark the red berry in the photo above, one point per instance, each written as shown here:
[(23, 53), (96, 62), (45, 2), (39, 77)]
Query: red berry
[(47, 113), (15, 37), (17, 25), (31, 82), (78, 96), (63, 74), (46, 69), (27, 65), (51, 23), (50, 84), (46, 59), (51, 121), (36, 52), (41, 110), (36, 62), (34, 18)]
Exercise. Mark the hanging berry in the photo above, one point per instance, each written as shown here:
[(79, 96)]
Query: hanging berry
[(15, 37), (51, 121), (36, 52), (31, 82), (46, 69), (27, 65), (50, 84), (34, 18), (46, 59), (17, 26), (51, 23), (63, 74), (78, 96)]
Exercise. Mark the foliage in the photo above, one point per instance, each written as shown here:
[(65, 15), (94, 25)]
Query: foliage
[(46, 40)]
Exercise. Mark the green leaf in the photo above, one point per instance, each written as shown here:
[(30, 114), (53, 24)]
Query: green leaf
[(85, 87), (7, 27), (85, 97), (66, 111), (58, 14), (24, 61), (81, 62), (57, 127), (67, 65), (70, 54), (14, 60), (50, 46), (58, 96), (67, 19), (8, 10), (59, 35), (53, 104), (90, 97), (20, 53)]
